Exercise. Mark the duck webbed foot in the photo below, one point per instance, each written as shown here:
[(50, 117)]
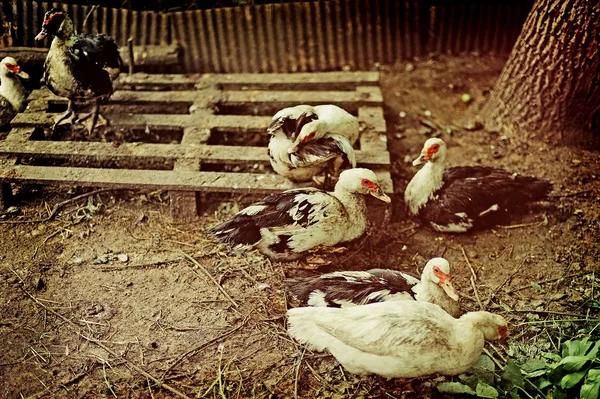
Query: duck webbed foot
[(64, 118), (93, 119)]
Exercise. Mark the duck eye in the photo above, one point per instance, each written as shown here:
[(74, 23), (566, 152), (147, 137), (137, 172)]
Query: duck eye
[(436, 269), (365, 182), (436, 147)]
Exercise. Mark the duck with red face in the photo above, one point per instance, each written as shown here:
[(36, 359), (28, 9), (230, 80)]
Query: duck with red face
[(459, 199), (284, 226), (79, 67), (13, 96), (351, 288)]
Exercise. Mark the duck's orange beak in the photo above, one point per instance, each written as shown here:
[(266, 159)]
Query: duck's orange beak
[(445, 283)]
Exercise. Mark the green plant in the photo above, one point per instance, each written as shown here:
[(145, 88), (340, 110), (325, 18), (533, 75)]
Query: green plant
[(574, 373)]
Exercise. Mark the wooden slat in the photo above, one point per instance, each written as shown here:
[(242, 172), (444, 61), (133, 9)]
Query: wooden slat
[(234, 97), (165, 179), (365, 78), (219, 154), (158, 179), (231, 123), (373, 137)]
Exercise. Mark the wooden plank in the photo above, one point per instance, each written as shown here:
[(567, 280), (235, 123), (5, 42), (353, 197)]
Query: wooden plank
[(230, 123), (253, 183), (366, 96), (163, 179), (364, 78), (148, 55), (194, 150), (373, 136)]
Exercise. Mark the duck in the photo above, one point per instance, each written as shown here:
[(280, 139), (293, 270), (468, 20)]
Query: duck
[(80, 67), (350, 288), (284, 226), (306, 139), (13, 96), (413, 340), (463, 198)]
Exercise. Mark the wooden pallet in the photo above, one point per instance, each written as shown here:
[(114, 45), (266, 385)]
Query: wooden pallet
[(193, 107)]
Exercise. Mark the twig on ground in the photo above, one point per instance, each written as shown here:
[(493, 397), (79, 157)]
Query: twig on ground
[(198, 265), (473, 278), (57, 207), (106, 380), (297, 373), (517, 226), (204, 345), (549, 281)]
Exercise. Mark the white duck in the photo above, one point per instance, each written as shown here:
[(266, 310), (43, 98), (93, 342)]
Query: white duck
[(305, 139), (283, 226), (412, 340), (339, 289), (13, 96), (459, 199)]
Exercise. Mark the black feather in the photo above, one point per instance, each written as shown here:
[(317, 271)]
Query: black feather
[(245, 229), (338, 287), (473, 190)]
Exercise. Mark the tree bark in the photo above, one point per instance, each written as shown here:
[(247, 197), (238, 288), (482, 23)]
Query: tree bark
[(550, 85)]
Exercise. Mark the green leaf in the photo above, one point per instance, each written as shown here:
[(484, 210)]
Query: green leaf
[(593, 375), (534, 365), (514, 395), (484, 390), (512, 374), (558, 393), (572, 379), (594, 351), (573, 363), (589, 391), (544, 383), (485, 363), (576, 347), (455, 387)]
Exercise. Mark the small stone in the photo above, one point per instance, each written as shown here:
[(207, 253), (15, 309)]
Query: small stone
[(409, 67), (503, 138), (101, 260), (123, 258), (77, 261), (399, 135), (402, 114), (466, 98), (404, 247), (473, 125), (407, 159), (397, 94), (12, 209), (497, 154), (576, 162), (262, 286), (427, 113), (424, 130)]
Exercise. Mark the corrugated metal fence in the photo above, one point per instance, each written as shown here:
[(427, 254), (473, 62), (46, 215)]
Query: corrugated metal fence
[(301, 36)]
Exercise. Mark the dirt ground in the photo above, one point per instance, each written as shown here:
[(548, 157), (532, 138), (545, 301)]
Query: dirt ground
[(102, 301)]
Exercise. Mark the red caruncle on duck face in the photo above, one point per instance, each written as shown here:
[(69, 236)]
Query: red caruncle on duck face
[(431, 151), (369, 184)]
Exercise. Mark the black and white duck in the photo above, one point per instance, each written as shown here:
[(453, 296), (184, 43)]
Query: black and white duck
[(80, 67), (306, 139), (458, 199), (350, 288), (284, 226), (13, 96)]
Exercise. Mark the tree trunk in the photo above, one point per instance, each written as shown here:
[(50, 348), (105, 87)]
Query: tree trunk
[(550, 85)]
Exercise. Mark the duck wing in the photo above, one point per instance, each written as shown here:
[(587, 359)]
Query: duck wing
[(481, 197), (316, 152), (291, 123), (351, 287), (298, 208), (379, 328), (96, 62)]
